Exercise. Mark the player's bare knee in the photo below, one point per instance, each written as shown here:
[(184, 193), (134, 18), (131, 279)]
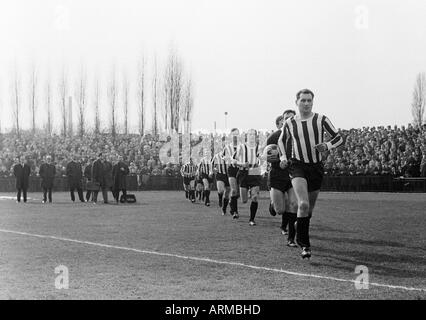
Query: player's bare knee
[(303, 206), (280, 210), (292, 206)]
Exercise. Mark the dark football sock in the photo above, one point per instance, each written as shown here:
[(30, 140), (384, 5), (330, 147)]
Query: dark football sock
[(220, 195), (231, 205), (302, 232), (225, 203), (207, 194), (186, 194), (253, 210), (284, 220), (234, 205), (272, 210), (291, 228)]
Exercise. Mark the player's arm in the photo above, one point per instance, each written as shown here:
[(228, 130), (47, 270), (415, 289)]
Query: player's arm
[(336, 138), (238, 156), (211, 166), (282, 143)]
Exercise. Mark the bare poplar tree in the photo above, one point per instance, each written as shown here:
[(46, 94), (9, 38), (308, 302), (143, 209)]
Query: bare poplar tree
[(419, 99), (154, 99), (96, 98), (49, 104), (126, 102), (15, 97), (70, 122), (173, 89), (63, 94), (166, 109), (188, 106), (141, 95), (81, 97), (32, 95), (1, 105), (112, 97)]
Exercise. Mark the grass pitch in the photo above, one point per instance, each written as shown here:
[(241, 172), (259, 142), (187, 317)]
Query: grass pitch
[(164, 247)]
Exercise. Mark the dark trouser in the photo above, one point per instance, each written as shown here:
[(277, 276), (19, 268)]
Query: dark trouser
[(292, 218), (95, 195), (116, 194), (104, 195), (88, 194), (79, 191), (24, 193), (45, 192)]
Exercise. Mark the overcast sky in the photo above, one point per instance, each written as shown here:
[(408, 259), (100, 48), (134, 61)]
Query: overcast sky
[(246, 57)]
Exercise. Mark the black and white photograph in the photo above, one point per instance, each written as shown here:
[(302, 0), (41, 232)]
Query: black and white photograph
[(213, 155)]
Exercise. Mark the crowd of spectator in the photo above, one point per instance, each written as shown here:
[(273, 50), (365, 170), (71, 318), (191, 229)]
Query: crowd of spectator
[(397, 151), (142, 155)]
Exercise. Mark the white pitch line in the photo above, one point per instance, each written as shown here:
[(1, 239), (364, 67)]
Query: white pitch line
[(240, 264)]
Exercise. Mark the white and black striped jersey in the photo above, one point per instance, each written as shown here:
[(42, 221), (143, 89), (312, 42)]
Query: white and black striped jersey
[(204, 167), (189, 170), (251, 155), (219, 163), (229, 153), (305, 135)]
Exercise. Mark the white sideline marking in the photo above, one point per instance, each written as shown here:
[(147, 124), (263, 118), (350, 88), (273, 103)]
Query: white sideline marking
[(210, 260), (14, 198)]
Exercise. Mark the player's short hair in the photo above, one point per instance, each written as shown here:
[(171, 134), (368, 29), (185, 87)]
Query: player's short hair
[(234, 129), (304, 91), (288, 111), (279, 119)]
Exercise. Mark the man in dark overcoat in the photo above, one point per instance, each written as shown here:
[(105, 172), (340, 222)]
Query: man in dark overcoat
[(21, 171), (88, 176), (106, 184), (47, 174), (75, 175), (119, 172), (97, 174)]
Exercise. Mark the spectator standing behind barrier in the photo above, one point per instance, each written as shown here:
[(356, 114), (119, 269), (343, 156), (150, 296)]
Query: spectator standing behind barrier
[(88, 176), (47, 174), (423, 165), (75, 176), (97, 175), (21, 171), (106, 183), (3, 172), (119, 173)]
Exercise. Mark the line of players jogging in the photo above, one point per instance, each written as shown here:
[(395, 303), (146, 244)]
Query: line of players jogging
[(294, 167)]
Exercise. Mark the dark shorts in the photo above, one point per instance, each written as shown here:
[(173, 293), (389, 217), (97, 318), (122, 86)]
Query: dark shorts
[(206, 176), (222, 177), (313, 173), (248, 181), (187, 180), (280, 180), (232, 171)]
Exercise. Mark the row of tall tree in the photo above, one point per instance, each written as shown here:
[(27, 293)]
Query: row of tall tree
[(171, 91), (419, 100)]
